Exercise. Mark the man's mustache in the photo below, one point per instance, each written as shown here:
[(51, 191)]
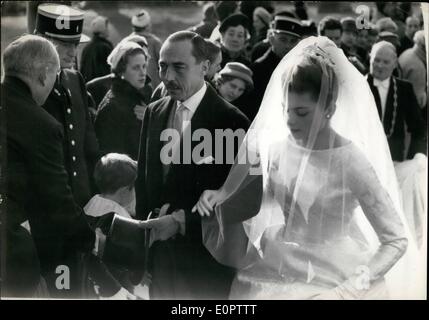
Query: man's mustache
[(172, 86)]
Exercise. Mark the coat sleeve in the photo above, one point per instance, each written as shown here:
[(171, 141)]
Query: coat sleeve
[(415, 123), (50, 183), (215, 175), (140, 184)]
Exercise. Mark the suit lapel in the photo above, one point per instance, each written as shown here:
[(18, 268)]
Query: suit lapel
[(154, 168), (388, 114), (375, 93)]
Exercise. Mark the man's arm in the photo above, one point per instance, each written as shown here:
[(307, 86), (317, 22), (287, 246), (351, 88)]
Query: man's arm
[(50, 182)]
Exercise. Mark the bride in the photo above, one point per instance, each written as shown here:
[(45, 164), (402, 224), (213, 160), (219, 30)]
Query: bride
[(310, 209)]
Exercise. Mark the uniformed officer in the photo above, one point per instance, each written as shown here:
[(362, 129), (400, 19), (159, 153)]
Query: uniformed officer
[(69, 101), (284, 34)]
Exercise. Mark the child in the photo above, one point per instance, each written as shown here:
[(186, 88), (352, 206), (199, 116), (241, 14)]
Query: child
[(114, 176)]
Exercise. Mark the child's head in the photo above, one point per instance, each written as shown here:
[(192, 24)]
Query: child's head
[(115, 175)]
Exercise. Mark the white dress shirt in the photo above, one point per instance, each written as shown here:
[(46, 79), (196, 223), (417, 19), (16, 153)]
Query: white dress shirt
[(186, 109), (383, 90)]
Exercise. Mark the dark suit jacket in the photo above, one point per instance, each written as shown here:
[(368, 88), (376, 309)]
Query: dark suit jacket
[(36, 189), (182, 267), (408, 113), (262, 69)]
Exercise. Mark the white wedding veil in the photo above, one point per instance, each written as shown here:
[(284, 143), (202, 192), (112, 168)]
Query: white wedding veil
[(294, 196)]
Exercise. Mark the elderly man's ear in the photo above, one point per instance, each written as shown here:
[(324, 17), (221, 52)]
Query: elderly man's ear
[(42, 77)]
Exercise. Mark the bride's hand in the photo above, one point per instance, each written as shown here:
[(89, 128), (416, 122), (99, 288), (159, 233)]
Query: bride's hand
[(207, 202)]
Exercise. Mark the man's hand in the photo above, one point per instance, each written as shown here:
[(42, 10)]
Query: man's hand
[(164, 227), (139, 111)]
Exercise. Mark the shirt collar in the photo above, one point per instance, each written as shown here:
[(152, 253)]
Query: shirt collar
[(193, 102), (384, 84), (99, 206)]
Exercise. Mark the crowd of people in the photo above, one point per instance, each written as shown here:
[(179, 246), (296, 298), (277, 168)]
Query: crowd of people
[(85, 144)]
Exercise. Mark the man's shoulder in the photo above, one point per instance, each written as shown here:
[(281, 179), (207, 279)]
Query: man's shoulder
[(225, 110), (22, 112), (150, 37), (100, 82), (403, 84), (261, 63), (155, 105)]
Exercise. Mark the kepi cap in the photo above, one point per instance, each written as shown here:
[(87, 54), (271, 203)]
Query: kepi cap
[(60, 22)]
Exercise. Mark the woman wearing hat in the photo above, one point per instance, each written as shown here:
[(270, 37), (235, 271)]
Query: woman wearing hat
[(233, 83), (116, 125), (234, 32)]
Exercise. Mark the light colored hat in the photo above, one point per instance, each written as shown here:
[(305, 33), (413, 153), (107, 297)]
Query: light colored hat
[(118, 52), (140, 40), (238, 70), (263, 14), (99, 24), (141, 19)]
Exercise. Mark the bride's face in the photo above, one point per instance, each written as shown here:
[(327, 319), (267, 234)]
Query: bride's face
[(304, 115)]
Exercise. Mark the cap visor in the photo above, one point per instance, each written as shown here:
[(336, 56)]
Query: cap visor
[(84, 38)]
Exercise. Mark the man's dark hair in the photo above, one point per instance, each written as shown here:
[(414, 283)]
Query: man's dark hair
[(200, 48), (329, 23), (225, 8), (213, 50)]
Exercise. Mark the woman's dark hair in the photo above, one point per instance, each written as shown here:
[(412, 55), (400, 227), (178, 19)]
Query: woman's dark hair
[(307, 77), (122, 64), (329, 23), (221, 79), (225, 9)]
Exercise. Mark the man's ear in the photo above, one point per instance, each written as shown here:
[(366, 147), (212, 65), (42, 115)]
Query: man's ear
[(41, 78), (270, 36), (205, 65)]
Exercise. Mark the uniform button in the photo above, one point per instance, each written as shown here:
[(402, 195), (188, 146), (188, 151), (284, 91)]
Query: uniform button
[(73, 142), (68, 110), (74, 158), (71, 127), (74, 174)]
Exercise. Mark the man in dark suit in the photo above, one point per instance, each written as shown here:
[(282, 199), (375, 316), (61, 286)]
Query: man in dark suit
[(396, 103), (36, 185), (181, 267), (284, 34)]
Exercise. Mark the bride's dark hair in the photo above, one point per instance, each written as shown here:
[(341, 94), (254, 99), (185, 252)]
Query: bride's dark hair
[(308, 75)]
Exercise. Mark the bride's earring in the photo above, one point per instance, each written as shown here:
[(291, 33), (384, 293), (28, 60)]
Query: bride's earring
[(328, 116)]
